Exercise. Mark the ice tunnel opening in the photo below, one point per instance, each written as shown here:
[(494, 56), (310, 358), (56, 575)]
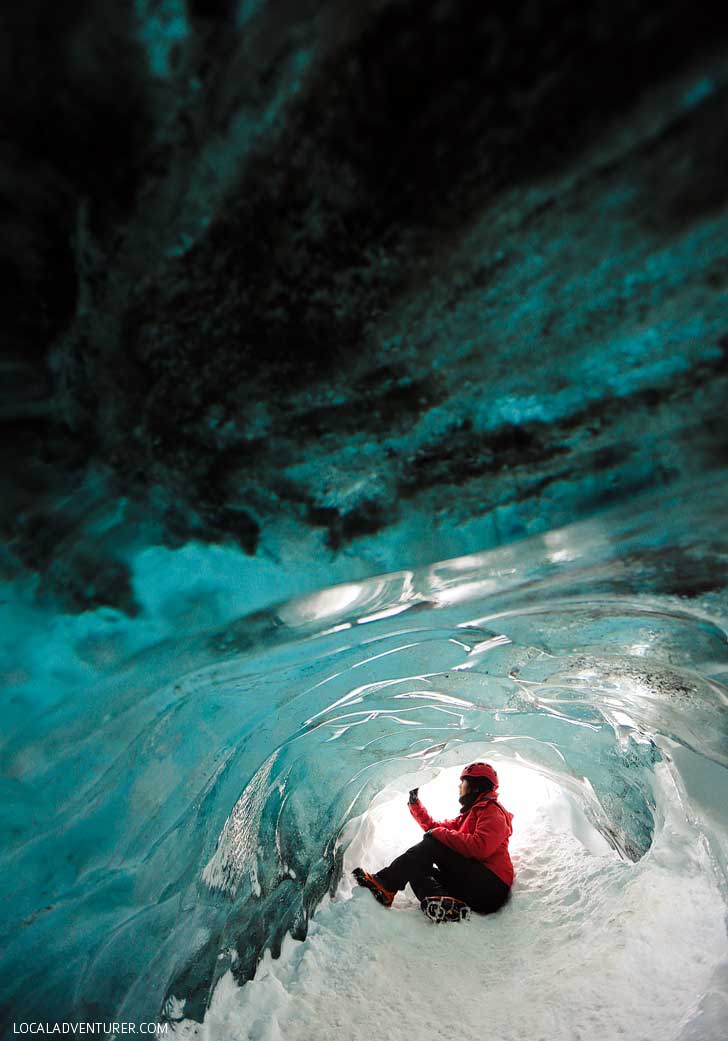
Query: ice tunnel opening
[(585, 920), (386, 828), (262, 760), (408, 707)]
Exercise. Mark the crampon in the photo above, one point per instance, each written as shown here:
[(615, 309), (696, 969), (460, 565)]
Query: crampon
[(445, 909)]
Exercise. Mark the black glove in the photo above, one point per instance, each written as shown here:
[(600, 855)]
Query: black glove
[(413, 796)]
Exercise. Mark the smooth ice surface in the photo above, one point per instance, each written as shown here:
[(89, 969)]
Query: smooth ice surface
[(585, 949), (342, 289), (174, 810)]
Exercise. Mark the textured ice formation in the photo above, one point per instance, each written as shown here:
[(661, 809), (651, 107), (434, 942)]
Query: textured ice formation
[(341, 290), (175, 812), (445, 272), (587, 947)]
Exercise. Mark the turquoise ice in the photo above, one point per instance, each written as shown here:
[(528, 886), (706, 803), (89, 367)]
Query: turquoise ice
[(175, 811)]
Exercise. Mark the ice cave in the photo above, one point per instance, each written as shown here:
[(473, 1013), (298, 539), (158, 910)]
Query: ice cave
[(365, 373)]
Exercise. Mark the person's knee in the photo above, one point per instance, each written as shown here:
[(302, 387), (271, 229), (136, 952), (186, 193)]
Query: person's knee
[(423, 844), (424, 850)]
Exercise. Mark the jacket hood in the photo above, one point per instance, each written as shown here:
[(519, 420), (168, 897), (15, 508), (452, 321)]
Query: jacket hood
[(492, 797)]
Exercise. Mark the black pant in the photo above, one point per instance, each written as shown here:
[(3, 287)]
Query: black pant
[(433, 869)]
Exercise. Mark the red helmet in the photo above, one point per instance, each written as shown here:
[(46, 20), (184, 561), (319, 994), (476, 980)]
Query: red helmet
[(480, 770)]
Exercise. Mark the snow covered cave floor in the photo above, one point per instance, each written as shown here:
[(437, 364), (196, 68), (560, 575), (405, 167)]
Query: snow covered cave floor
[(589, 947)]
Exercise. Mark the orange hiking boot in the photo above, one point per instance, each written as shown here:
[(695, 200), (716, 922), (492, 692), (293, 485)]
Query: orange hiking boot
[(369, 882)]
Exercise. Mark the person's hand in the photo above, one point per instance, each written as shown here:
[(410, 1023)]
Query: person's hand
[(413, 796)]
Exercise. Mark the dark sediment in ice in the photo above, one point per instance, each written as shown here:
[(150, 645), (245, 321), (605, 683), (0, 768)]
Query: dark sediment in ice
[(336, 269)]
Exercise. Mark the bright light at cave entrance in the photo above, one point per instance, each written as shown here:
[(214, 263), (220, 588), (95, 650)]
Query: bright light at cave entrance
[(388, 829)]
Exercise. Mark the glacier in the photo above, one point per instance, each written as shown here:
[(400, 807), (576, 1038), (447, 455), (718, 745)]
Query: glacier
[(182, 820), (362, 388)]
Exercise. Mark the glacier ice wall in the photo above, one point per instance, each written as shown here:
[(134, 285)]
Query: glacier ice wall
[(185, 807), (299, 298), (451, 274)]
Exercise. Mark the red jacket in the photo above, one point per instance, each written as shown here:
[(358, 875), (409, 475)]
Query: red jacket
[(482, 832)]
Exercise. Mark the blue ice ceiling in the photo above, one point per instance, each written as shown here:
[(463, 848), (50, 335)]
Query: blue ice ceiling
[(447, 276), (300, 300)]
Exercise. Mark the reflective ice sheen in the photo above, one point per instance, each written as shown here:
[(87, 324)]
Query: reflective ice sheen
[(195, 804)]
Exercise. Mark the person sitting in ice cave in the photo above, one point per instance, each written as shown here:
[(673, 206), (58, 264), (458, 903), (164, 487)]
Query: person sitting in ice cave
[(461, 864)]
